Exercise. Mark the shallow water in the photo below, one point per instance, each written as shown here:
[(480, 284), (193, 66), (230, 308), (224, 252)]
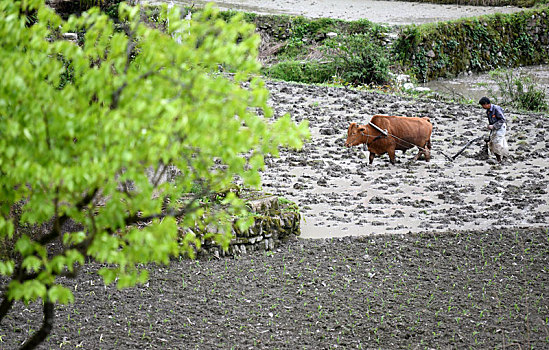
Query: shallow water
[(474, 86)]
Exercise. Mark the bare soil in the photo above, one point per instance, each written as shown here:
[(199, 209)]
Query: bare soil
[(438, 255)]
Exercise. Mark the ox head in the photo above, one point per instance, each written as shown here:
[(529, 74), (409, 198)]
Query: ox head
[(355, 135)]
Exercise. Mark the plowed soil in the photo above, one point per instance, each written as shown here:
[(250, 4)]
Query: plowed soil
[(435, 291)]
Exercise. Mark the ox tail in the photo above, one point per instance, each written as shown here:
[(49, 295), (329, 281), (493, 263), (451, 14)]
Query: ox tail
[(427, 119)]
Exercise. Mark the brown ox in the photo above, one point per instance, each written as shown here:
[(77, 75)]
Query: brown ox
[(402, 133)]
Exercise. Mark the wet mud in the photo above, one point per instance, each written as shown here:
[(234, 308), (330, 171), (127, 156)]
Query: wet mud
[(340, 194), (388, 12), (437, 255)]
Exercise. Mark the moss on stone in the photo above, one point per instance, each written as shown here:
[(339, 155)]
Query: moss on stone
[(474, 44)]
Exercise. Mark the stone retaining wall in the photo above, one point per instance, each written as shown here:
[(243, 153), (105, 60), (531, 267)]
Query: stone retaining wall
[(275, 222), (478, 44), (428, 51)]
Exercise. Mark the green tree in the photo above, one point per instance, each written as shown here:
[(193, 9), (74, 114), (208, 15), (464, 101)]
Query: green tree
[(86, 133)]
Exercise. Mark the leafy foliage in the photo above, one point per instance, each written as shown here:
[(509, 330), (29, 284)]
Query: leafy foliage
[(309, 72), (520, 90), (87, 132), (476, 44), (359, 59)]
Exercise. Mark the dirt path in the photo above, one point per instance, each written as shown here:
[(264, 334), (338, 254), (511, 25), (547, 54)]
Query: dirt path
[(340, 194), (389, 12)]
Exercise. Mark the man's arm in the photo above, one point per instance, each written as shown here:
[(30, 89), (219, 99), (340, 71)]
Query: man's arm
[(500, 118)]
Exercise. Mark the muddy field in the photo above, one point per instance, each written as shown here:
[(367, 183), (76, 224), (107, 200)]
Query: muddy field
[(340, 194), (378, 11), (445, 255), (417, 255)]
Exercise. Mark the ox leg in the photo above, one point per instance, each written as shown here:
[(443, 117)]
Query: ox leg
[(391, 153), (419, 152), (371, 158)]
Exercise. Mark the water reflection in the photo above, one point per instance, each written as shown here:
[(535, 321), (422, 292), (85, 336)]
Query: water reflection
[(474, 86)]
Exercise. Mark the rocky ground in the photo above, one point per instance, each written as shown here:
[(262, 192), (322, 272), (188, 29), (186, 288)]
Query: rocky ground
[(447, 255)]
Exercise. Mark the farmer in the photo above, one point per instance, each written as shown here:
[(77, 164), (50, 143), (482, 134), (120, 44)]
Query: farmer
[(496, 124)]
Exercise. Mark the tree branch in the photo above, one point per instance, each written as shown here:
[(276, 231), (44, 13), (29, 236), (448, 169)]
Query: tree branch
[(129, 49), (157, 176), (60, 221), (45, 330), (116, 94), (5, 306), (19, 273), (47, 129)]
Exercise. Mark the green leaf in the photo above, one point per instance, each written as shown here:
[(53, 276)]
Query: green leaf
[(72, 257), (24, 245), (73, 238), (58, 293), (109, 275), (57, 264), (6, 228), (33, 290), (6, 267), (31, 264)]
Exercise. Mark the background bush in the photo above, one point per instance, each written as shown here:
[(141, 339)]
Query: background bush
[(519, 89), (358, 59), (306, 72)]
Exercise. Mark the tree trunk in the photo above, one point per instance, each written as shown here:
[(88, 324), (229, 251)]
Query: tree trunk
[(43, 332)]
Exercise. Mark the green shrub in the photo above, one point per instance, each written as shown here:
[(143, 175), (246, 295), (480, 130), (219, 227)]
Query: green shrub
[(476, 44), (520, 90), (309, 72), (533, 99), (359, 59)]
